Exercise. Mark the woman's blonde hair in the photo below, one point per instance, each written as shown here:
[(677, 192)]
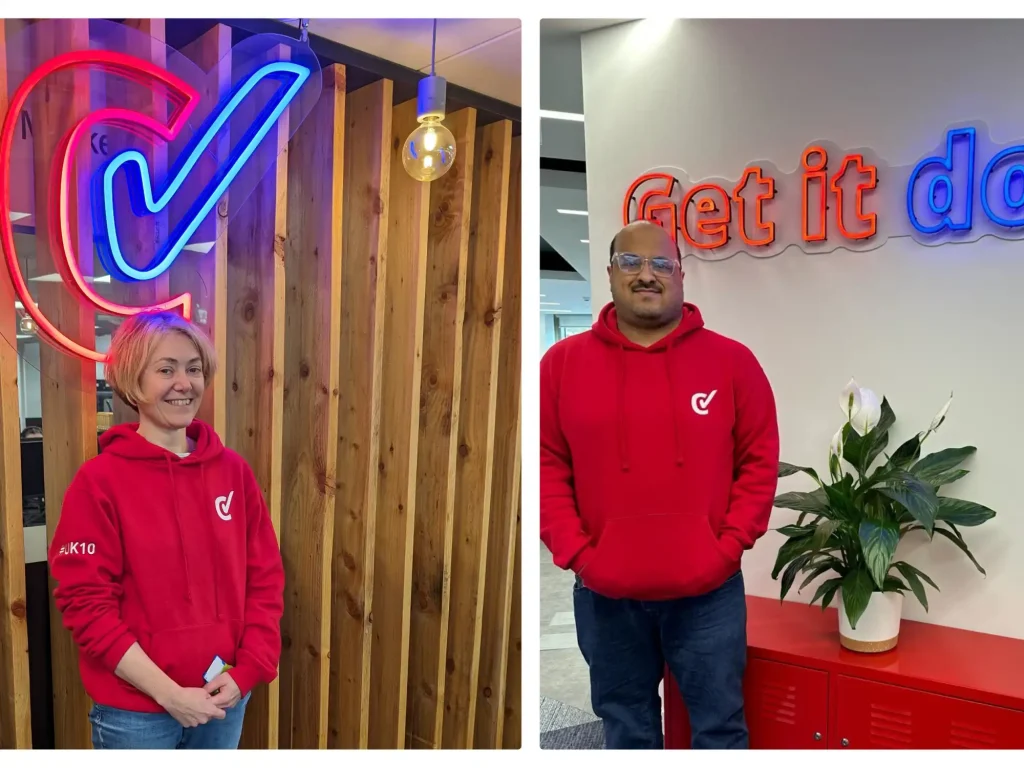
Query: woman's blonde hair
[(133, 344)]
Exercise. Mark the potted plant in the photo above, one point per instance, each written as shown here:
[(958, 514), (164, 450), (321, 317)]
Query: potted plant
[(851, 527)]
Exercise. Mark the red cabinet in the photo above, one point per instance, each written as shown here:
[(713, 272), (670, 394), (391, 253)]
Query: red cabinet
[(941, 688)]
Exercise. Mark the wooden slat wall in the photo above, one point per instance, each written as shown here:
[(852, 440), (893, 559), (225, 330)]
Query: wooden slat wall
[(440, 394), (15, 722), (368, 329), (474, 469)]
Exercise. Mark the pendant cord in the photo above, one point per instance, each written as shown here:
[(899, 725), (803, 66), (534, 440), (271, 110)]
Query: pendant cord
[(433, 49)]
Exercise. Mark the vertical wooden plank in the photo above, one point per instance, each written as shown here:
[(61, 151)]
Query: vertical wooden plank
[(312, 350), (205, 275), (141, 236), (254, 366), (364, 236), (440, 391), (408, 203), (497, 602), (15, 715), (474, 472), (68, 396), (512, 735)]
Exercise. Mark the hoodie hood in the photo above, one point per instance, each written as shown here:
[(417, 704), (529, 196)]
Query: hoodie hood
[(607, 330), (125, 441)]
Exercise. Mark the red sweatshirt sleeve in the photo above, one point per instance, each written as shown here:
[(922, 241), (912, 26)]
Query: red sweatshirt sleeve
[(86, 562), (756, 457), (259, 652), (560, 526)]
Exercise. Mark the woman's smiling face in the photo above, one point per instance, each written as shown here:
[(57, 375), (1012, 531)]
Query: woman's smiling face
[(172, 383)]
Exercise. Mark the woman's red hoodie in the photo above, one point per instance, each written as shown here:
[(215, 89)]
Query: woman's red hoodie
[(659, 464), (177, 554)]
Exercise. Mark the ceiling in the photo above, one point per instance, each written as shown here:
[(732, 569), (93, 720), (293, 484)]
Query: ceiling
[(564, 293), (483, 55), (563, 177)]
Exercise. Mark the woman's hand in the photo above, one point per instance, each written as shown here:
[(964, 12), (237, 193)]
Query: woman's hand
[(191, 707), (224, 690)]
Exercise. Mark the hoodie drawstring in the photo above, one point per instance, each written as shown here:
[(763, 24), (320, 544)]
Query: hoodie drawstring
[(621, 421), (213, 537), (623, 447), (675, 408), (181, 531)]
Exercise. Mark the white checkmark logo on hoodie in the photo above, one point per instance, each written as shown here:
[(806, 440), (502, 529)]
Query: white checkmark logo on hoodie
[(701, 401), (223, 505)]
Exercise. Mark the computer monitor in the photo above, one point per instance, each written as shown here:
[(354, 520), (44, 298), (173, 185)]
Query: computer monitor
[(32, 468)]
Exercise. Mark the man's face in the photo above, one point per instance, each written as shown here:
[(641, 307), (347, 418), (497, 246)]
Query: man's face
[(646, 277)]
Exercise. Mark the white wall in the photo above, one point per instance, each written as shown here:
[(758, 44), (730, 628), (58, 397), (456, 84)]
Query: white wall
[(910, 322)]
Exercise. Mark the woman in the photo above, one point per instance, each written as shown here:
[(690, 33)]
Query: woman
[(168, 569)]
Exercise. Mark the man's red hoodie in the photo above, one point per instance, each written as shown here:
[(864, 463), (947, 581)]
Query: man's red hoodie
[(177, 554), (659, 464)]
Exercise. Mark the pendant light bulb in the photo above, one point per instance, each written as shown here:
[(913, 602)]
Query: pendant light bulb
[(429, 152)]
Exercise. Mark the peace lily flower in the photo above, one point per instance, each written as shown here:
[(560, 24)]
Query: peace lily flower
[(862, 407), (836, 448)]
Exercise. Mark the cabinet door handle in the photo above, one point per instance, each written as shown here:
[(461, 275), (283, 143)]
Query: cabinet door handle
[(845, 742), (817, 736)]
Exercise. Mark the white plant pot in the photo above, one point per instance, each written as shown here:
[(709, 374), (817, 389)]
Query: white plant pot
[(878, 629)]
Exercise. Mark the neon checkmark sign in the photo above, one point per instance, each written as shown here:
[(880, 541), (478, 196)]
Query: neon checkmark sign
[(144, 202), (183, 100)]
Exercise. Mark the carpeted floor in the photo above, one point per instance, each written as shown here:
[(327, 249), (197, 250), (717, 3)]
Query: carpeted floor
[(566, 727)]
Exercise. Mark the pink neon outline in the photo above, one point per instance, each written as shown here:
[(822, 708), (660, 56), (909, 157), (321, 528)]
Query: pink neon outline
[(183, 96)]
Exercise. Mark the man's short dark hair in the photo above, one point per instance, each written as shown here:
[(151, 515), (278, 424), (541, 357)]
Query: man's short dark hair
[(611, 249)]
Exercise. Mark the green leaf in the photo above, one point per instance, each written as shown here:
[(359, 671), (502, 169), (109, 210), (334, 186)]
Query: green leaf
[(786, 469), (823, 532), (815, 502), (958, 540), (949, 477), (907, 453), (788, 552), (803, 515), (789, 576), (817, 570), (795, 531), (893, 584), (878, 542), (916, 497), (936, 464), (878, 437), (826, 589), (857, 589), (961, 512), (913, 577), (840, 501)]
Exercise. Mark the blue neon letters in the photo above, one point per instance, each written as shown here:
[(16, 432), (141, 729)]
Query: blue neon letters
[(944, 186), (141, 186)]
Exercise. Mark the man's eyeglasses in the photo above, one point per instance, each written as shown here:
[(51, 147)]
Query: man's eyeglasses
[(631, 264)]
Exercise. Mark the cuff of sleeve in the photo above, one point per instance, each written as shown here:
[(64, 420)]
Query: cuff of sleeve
[(245, 677), (731, 546), (582, 560), (116, 652)]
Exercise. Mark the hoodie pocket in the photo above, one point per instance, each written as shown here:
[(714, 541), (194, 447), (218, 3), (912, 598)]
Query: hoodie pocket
[(186, 653), (657, 557)]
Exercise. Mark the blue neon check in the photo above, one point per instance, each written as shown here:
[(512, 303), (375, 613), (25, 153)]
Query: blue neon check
[(143, 202)]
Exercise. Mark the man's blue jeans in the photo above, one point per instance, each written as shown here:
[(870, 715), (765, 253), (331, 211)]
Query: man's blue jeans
[(627, 643), (121, 729)]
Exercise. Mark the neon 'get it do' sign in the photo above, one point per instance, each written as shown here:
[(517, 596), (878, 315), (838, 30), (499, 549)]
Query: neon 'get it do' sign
[(213, 146), (966, 188)]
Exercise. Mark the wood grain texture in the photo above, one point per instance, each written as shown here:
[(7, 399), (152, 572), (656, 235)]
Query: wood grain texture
[(440, 392), (408, 202), (254, 369), (312, 351), (512, 734), (497, 603), (481, 334), (68, 396), (15, 715), (364, 225), (205, 275)]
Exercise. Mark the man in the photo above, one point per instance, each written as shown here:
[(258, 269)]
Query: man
[(659, 464)]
